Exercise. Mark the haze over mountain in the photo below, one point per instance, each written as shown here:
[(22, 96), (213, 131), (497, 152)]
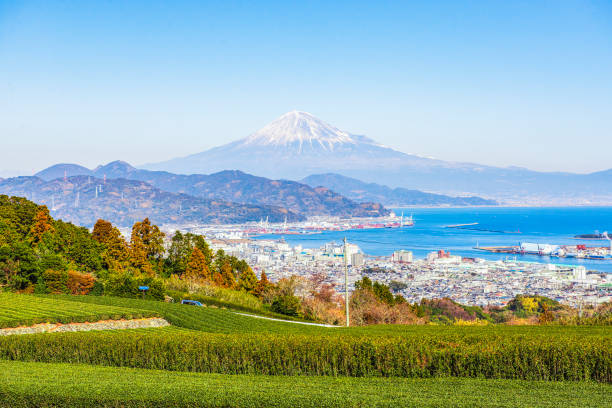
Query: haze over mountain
[(298, 144), (398, 197), (237, 187), (84, 199)]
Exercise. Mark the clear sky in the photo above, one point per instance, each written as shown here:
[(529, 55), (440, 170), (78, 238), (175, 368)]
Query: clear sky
[(523, 83)]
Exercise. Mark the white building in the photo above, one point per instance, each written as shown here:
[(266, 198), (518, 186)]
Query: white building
[(402, 256), (357, 259), (580, 273)]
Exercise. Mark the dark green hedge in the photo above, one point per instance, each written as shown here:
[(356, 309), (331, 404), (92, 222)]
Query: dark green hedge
[(518, 357)]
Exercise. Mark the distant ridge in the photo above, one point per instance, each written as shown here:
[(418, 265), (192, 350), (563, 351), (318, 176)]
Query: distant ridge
[(63, 169), (398, 197), (237, 186)]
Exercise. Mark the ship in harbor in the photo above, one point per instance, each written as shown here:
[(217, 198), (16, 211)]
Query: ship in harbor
[(597, 236)]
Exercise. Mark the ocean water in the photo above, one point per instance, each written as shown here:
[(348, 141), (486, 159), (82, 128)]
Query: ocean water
[(544, 225)]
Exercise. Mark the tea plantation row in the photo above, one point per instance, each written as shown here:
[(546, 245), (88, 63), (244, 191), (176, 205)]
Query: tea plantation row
[(73, 385)]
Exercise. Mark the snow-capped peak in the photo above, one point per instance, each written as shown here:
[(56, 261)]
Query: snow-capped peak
[(299, 128)]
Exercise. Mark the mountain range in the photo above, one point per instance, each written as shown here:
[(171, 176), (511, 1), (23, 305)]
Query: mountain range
[(233, 186), (83, 199), (297, 145)]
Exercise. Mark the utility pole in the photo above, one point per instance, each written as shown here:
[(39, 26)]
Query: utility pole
[(346, 295)]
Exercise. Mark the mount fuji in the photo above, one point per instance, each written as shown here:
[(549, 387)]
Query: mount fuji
[(293, 146), (298, 144)]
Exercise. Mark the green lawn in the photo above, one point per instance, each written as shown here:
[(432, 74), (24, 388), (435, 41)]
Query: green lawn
[(23, 310), (71, 385)]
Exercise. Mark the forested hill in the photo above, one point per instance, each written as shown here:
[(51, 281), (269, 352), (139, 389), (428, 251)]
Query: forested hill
[(360, 191), (235, 186), (84, 199)]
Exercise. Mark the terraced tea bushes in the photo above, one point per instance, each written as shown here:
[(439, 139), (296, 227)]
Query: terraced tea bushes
[(25, 310)]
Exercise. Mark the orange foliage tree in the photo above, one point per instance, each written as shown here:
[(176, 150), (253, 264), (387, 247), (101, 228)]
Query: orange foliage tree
[(80, 283), (197, 267), (42, 224), (115, 255)]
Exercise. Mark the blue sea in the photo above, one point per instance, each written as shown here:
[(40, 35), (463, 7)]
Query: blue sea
[(544, 225)]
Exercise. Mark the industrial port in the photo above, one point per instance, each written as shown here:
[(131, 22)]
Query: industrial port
[(578, 251)]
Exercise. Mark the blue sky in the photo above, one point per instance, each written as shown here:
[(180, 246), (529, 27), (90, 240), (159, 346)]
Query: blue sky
[(522, 83)]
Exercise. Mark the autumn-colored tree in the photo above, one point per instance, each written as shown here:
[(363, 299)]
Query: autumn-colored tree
[(42, 223), (546, 316), (180, 251), (262, 285), (80, 283), (227, 275), (247, 280), (151, 237), (102, 231), (197, 268), (138, 256), (116, 254), (217, 278)]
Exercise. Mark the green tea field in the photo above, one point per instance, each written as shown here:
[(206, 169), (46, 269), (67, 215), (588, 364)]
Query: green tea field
[(74, 385)]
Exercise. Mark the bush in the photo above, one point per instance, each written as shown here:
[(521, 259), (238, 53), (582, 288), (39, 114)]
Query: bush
[(80, 283), (288, 305), (56, 281), (126, 285)]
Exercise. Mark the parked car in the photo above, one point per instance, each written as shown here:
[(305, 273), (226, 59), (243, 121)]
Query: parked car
[(190, 302)]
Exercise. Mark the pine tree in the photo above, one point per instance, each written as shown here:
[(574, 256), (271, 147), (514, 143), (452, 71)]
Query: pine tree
[(248, 280), (197, 269)]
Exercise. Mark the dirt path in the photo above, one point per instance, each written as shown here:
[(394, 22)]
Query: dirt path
[(286, 321)]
